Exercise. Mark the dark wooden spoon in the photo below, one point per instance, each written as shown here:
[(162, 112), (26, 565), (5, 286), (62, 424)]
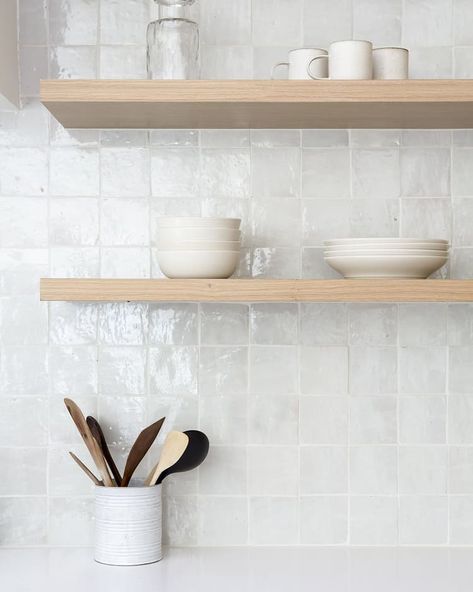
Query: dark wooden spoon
[(139, 449), (194, 455), (98, 434)]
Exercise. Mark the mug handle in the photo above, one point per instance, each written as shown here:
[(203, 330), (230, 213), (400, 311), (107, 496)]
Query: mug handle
[(273, 69), (320, 57)]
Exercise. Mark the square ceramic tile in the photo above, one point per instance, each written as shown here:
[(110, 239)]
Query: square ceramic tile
[(225, 23), (422, 325), (273, 370), (324, 520), (373, 520), (224, 324), (372, 324), (173, 324), (223, 370), (373, 370), (224, 419), (74, 172), (323, 324), (460, 420), (125, 172), (318, 166), (273, 470), (422, 370), (422, 420), (225, 172), (425, 172), (173, 370), (324, 22), (324, 370), (423, 519), (423, 469), (460, 512), (73, 23), (273, 324), (275, 172), (380, 22), (276, 22), (460, 475), (427, 23), (274, 520), (323, 469), (122, 371), (224, 471), (323, 420), (15, 161), (426, 217), (375, 173), (123, 23), (222, 521), (373, 470), (373, 420), (73, 221), (273, 420)]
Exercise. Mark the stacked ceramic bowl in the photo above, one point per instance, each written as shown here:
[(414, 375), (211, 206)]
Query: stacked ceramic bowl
[(402, 258), (198, 247)]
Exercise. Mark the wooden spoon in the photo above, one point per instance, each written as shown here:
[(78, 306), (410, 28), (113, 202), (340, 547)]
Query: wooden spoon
[(92, 445), (194, 455), (86, 470), (97, 433), (173, 448), (139, 449)]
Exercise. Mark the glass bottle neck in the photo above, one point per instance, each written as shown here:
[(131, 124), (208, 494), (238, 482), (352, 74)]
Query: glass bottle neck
[(171, 12)]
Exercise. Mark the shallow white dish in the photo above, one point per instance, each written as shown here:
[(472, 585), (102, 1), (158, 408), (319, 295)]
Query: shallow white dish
[(382, 246), (198, 264), (400, 266), (194, 233), (381, 252), (397, 240), (198, 222), (198, 245)]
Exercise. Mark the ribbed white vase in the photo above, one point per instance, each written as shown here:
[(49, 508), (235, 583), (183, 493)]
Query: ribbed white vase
[(128, 525)]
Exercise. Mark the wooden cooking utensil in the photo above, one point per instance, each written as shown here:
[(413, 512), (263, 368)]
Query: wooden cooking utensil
[(173, 448), (86, 470), (139, 449), (92, 445), (194, 455), (98, 434)]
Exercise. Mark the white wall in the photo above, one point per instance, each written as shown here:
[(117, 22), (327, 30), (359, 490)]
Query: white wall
[(330, 424), (9, 86)]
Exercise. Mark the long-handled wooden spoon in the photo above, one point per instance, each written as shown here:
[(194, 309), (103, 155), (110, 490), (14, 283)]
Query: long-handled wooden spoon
[(86, 470), (139, 449), (92, 445), (173, 448), (98, 434), (194, 455)]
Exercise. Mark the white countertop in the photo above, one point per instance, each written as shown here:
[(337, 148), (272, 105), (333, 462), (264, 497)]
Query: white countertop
[(244, 570)]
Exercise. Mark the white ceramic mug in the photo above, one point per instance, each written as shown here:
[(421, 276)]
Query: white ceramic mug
[(128, 525), (390, 63), (298, 64), (347, 60)]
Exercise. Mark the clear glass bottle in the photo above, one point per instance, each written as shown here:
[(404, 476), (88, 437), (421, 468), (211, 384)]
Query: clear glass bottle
[(173, 43)]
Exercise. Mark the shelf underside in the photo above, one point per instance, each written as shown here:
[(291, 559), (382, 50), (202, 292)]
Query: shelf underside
[(256, 290), (194, 104)]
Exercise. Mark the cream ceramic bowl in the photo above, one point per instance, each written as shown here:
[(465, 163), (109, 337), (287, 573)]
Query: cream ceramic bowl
[(382, 266), (198, 264), (198, 245), (192, 233), (198, 222)]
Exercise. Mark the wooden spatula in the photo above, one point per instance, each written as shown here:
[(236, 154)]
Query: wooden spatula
[(98, 434), (86, 470), (92, 445), (139, 449), (173, 448)]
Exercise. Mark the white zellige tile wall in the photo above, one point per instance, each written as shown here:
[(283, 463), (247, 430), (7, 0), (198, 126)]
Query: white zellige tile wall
[(330, 424)]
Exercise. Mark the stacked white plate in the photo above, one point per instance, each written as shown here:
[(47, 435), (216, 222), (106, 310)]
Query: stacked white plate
[(198, 247), (402, 258)]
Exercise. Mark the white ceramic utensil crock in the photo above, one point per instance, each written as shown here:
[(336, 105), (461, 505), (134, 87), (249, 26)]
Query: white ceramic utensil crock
[(128, 525)]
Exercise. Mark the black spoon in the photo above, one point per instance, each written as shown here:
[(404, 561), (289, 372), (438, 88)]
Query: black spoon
[(192, 457), (97, 433)]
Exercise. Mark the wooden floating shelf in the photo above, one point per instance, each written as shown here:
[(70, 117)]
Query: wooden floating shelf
[(255, 290), (194, 104)]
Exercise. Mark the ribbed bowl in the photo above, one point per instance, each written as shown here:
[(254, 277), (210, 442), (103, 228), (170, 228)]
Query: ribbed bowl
[(128, 525)]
